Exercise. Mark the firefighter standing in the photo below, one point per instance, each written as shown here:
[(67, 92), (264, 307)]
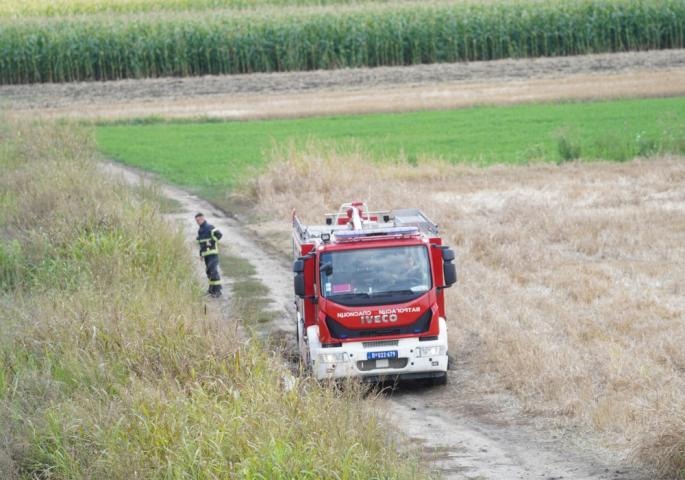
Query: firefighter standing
[(207, 237)]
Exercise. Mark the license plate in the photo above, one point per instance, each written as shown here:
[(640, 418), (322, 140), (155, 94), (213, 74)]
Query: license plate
[(381, 355)]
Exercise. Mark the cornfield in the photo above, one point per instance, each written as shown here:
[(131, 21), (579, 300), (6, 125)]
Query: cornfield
[(98, 47), (77, 7)]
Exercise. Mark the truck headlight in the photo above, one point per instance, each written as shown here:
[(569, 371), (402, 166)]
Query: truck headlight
[(430, 351), (339, 357)]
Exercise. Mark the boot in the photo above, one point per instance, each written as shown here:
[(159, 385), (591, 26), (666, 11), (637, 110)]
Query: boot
[(215, 291)]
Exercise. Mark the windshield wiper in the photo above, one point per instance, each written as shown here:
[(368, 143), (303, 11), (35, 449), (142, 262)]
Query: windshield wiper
[(394, 293), (350, 295)]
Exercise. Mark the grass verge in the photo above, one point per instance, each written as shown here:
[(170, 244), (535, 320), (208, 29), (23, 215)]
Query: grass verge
[(214, 157), (108, 366)]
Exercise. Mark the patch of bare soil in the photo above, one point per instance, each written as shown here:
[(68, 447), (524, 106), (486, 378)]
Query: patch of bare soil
[(278, 95)]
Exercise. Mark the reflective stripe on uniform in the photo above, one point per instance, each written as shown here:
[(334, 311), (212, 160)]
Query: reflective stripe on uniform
[(215, 282), (213, 251), (212, 234), (204, 240)]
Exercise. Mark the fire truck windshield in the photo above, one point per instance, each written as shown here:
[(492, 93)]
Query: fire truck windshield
[(375, 276)]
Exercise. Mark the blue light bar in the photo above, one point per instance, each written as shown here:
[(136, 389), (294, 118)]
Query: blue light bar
[(352, 234)]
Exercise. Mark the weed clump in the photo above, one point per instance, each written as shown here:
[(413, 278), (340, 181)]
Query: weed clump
[(568, 145)]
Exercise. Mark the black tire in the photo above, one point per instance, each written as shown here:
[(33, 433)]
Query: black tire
[(439, 381)]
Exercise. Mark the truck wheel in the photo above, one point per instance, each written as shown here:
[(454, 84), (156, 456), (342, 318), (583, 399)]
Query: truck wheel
[(438, 381)]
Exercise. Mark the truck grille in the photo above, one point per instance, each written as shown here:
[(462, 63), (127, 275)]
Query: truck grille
[(420, 325), (366, 365), (381, 343)]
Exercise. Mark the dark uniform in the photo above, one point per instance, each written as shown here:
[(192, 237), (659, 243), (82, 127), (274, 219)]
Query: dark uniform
[(207, 237)]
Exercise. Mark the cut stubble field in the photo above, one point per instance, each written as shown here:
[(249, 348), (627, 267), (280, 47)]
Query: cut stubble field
[(358, 91), (571, 280)]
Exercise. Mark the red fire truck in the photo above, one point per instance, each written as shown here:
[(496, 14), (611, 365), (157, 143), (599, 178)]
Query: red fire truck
[(369, 294)]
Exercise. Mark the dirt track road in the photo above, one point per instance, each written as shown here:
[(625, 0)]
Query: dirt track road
[(268, 268), (385, 89), (463, 434)]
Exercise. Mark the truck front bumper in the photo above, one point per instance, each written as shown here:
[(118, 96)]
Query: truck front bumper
[(414, 359)]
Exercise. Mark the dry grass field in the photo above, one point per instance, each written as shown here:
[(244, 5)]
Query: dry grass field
[(572, 279)]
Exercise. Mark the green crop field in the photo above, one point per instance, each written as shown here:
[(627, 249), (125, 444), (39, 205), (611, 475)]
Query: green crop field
[(212, 157), (104, 47), (88, 7)]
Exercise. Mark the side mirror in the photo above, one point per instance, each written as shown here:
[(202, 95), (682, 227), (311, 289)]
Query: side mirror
[(449, 269), (448, 255), (298, 269), (298, 266), (298, 283)]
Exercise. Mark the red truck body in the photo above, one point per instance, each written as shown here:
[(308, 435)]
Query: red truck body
[(370, 294)]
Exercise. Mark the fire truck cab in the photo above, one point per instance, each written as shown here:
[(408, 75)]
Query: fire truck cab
[(369, 295)]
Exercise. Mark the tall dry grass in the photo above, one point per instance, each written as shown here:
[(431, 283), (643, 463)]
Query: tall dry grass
[(110, 366), (572, 278)]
